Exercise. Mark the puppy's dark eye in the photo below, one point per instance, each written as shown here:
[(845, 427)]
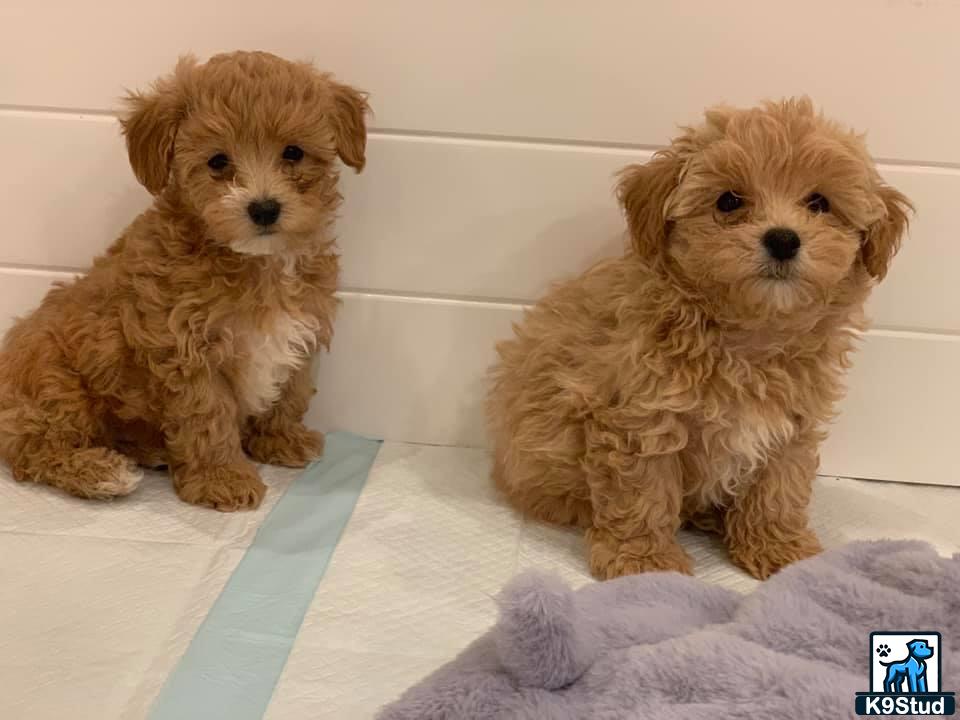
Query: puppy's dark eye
[(218, 162), (728, 202), (817, 203), (293, 153)]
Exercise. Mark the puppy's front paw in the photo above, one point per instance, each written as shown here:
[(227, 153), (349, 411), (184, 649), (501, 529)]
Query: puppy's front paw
[(227, 489), (612, 558), (292, 446), (763, 559)]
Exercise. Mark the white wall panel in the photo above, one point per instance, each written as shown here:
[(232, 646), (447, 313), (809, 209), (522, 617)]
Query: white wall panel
[(454, 217), (479, 218), (899, 418), (921, 291), (21, 291), (68, 190), (617, 71), (410, 370), (500, 127), (413, 369)]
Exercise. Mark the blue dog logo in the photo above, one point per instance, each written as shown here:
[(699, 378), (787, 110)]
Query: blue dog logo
[(911, 671), (905, 676)]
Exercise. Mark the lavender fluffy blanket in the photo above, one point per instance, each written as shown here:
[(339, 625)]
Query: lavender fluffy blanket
[(671, 647)]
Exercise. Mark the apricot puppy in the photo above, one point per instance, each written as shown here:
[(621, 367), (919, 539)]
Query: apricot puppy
[(690, 380), (189, 342)]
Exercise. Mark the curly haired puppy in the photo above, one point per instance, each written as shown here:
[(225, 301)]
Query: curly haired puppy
[(691, 379), (189, 342)]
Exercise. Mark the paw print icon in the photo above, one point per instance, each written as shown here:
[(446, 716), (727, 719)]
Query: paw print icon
[(883, 650)]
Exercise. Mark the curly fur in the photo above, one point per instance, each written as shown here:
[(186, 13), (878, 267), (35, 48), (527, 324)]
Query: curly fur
[(690, 380), (189, 341)]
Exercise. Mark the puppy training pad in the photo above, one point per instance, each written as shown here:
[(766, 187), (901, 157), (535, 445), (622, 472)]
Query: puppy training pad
[(430, 544), (100, 601)]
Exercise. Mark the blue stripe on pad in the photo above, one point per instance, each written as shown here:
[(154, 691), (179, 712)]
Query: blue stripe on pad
[(234, 661)]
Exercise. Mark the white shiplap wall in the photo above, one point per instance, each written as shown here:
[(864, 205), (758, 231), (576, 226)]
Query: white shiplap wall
[(498, 128)]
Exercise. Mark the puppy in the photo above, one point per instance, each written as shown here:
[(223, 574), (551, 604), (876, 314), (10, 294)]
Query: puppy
[(189, 342), (691, 379)]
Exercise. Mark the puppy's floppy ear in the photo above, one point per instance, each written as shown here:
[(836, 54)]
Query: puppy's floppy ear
[(882, 239), (644, 191), (150, 125), (349, 124)]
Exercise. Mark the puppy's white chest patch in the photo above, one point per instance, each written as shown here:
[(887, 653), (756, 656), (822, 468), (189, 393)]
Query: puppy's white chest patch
[(742, 444), (755, 434), (269, 356)]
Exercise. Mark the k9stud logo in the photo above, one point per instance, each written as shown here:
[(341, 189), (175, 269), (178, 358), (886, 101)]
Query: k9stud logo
[(905, 676)]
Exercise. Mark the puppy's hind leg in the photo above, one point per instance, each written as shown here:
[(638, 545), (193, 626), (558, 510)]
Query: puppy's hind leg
[(50, 438), (552, 493)]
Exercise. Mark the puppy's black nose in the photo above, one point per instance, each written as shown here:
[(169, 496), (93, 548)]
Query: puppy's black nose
[(781, 243), (264, 212)]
